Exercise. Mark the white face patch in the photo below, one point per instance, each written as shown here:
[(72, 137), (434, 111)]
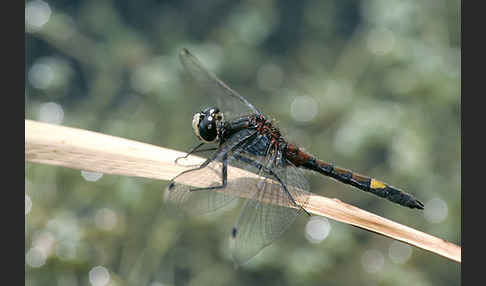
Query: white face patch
[(195, 123)]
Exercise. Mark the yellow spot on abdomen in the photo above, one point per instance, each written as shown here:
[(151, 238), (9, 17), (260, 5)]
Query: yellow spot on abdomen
[(375, 184)]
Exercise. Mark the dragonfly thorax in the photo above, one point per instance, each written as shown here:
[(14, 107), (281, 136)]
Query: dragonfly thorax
[(205, 124)]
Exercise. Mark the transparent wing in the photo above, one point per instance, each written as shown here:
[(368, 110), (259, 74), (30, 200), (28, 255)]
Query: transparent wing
[(199, 202), (271, 208), (180, 190), (270, 212), (227, 100)]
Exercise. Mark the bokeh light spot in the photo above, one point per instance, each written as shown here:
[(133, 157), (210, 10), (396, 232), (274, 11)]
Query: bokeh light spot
[(41, 75), (303, 108), (51, 112), (99, 276), (35, 257), (51, 73), (435, 210), (399, 252), (91, 176), (37, 14), (372, 261), (317, 229)]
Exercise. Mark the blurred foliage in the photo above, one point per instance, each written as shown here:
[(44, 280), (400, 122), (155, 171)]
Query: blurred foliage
[(383, 77)]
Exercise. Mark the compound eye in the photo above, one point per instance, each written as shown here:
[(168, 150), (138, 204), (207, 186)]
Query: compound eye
[(204, 125), (207, 129)]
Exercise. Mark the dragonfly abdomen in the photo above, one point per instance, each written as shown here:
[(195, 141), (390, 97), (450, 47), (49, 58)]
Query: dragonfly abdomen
[(364, 183)]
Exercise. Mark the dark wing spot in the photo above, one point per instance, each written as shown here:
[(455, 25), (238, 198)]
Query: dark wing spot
[(233, 232), (171, 185)]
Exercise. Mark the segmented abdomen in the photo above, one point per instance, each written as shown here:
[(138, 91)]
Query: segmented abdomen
[(367, 184)]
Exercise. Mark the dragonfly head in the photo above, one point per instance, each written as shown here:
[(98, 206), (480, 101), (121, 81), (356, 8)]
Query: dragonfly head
[(205, 124)]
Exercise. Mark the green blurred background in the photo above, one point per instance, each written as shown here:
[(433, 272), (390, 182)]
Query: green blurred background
[(373, 86)]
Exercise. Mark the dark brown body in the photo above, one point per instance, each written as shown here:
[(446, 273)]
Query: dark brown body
[(367, 184), (271, 139)]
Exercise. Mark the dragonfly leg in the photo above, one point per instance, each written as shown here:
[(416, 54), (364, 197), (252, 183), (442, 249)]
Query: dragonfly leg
[(171, 183), (224, 178), (196, 150), (224, 154)]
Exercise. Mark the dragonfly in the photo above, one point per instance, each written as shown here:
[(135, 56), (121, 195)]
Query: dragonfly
[(239, 135)]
